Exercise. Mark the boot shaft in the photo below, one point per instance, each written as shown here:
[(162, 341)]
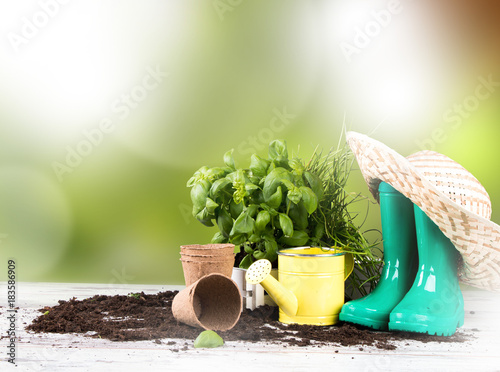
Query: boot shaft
[(398, 232), (434, 304), (438, 257), (400, 263)]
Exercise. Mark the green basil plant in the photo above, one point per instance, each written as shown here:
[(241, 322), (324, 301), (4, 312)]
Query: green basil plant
[(261, 209)]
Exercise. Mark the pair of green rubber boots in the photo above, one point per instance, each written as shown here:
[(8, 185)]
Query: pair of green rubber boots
[(418, 289)]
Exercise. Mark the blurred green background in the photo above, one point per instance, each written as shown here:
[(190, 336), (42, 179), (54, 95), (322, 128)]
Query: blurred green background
[(106, 110)]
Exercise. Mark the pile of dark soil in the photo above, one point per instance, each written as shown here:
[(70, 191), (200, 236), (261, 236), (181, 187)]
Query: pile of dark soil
[(149, 317)]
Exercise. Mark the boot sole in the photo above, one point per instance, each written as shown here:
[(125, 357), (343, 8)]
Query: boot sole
[(447, 329), (367, 322)]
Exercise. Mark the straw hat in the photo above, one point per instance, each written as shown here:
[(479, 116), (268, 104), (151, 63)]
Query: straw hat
[(445, 191)]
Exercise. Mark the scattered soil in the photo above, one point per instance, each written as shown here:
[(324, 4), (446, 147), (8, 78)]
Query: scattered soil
[(149, 317)]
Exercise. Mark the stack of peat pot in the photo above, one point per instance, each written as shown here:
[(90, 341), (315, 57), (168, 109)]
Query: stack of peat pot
[(211, 299), (200, 260)]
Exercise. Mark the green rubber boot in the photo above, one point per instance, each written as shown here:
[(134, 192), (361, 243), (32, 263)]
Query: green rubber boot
[(400, 263), (434, 304)]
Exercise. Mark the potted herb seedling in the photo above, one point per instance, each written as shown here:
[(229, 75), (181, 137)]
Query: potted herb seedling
[(260, 209), (277, 203)]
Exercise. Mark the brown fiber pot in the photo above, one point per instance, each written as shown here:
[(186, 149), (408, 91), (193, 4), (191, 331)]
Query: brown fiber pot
[(194, 270), (213, 302), (193, 257), (208, 249)]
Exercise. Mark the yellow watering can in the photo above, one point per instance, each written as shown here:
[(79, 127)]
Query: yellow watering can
[(310, 289)]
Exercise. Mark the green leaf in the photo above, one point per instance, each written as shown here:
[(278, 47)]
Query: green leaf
[(218, 238), (199, 193), (278, 151), (224, 222), (214, 173), (319, 231), (218, 186), (274, 179), (258, 166), (288, 184), (251, 178), (250, 187), (211, 205), (310, 199), (252, 210), (244, 224), (235, 209), (259, 255), (254, 238), (286, 224), (275, 200), (298, 214), (271, 250), (297, 166), (294, 194), (263, 218), (208, 339), (272, 211), (229, 160), (257, 197), (271, 167), (191, 182), (198, 176), (239, 186), (238, 239), (315, 184), (248, 248), (298, 239), (246, 261), (205, 218)]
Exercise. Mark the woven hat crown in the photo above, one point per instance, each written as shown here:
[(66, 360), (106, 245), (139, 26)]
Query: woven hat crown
[(448, 194), (453, 181)]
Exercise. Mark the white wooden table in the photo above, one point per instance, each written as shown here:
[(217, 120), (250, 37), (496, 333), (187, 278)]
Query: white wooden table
[(71, 352)]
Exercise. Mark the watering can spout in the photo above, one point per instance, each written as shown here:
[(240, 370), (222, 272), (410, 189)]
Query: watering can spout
[(260, 273)]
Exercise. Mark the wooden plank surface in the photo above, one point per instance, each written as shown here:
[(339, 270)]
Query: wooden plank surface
[(54, 352)]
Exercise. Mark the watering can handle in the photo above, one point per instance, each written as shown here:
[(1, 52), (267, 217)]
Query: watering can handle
[(348, 265)]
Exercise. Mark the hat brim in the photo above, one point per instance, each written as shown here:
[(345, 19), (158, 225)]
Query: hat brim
[(476, 238)]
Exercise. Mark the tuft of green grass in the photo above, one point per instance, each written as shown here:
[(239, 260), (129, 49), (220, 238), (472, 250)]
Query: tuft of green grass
[(340, 228)]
